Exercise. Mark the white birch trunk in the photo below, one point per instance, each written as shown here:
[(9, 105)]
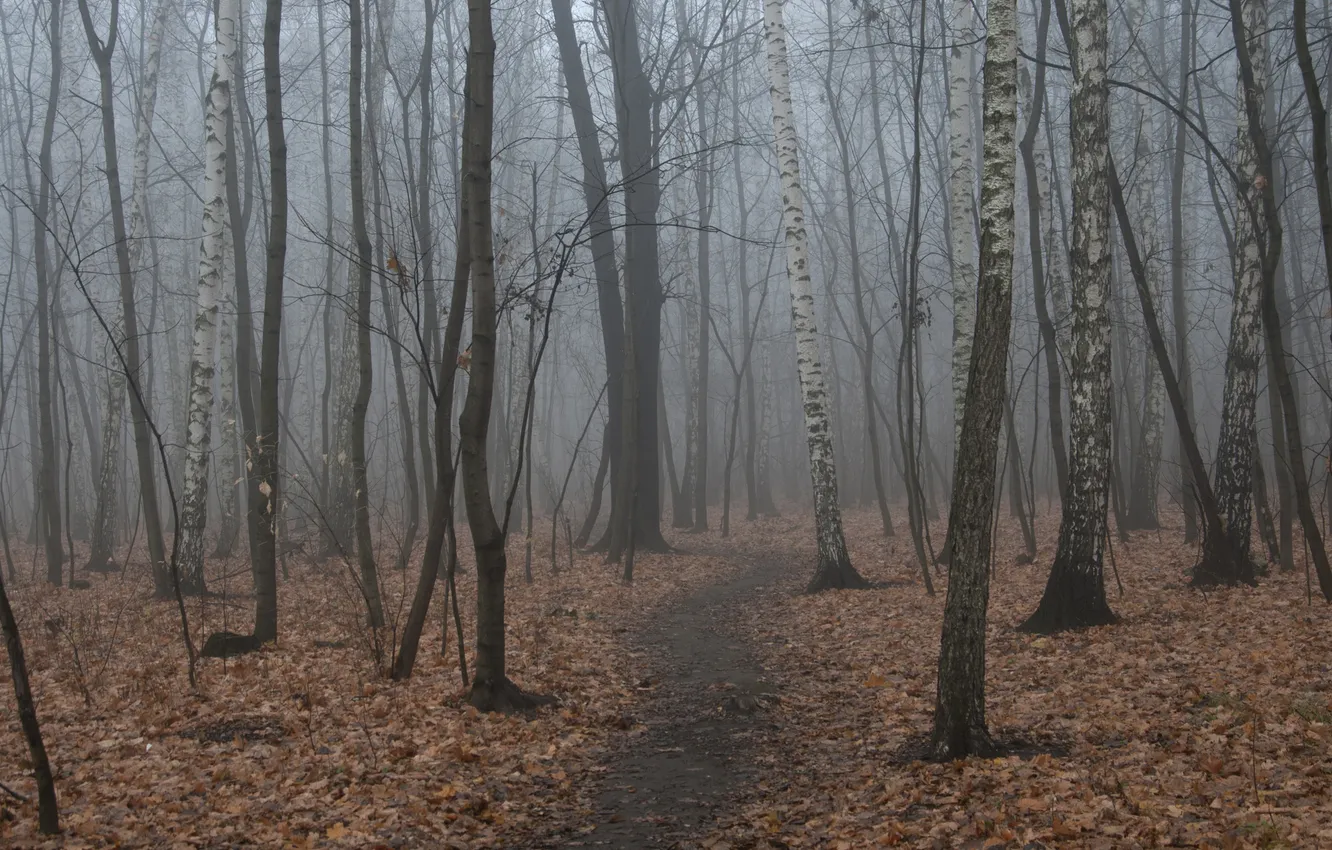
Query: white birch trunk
[(1075, 593), (961, 199), (103, 531), (203, 357), (834, 567), (1235, 447)]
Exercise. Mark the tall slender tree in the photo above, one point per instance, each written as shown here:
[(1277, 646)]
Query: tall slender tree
[(959, 714), (834, 569), (203, 356), (1075, 592)]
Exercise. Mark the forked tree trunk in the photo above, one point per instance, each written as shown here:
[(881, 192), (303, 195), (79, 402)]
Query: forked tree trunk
[(959, 714), (834, 569), (1075, 592), (203, 356)]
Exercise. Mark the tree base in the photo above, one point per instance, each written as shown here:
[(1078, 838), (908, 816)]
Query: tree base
[(1224, 569), (228, 645), (837, 576), (505, 697), (973, 741), (102, 565), (1050, 619)]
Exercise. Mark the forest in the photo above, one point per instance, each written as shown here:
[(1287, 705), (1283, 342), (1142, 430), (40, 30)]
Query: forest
[(692, 424)]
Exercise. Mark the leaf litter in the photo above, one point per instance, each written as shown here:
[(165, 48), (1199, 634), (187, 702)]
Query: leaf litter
[(1200, 720)]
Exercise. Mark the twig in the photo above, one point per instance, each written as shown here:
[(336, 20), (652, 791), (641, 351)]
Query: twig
[(16, 795)]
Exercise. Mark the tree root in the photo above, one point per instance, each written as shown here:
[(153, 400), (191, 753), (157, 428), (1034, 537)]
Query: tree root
[(505, 697)]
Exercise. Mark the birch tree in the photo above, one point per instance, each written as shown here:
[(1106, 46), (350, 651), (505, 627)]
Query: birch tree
[(834, 569), (1075, 592), (203, 355), (1236, 443), (959, 713), (961, 198)]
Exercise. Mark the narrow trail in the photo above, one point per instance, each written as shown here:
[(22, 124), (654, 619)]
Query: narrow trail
[(705, 719)]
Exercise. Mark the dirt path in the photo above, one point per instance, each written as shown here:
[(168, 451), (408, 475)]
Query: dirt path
[(665, 786)]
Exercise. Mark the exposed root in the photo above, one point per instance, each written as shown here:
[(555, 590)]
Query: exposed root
[(505, 697), (837, 576)]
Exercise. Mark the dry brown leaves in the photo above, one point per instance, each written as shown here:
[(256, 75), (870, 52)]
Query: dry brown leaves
[(308, 746), (1198, 721)]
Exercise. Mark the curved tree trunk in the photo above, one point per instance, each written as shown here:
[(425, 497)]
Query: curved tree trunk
[(959, 713)]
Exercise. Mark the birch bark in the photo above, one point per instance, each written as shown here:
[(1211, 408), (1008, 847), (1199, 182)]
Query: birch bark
[(834, 568), (959, 715), (1235, 446), (1075, 592), (961, 199), (203, 356)]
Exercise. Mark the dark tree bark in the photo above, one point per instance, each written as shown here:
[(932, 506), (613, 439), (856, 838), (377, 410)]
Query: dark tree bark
[(266, 440), (48, 812), (1178, 251), (491, 688), (959, 709), (1264, 183), (1049, 342), (365, 552), (48, 467), (642, 187), (601, 240)]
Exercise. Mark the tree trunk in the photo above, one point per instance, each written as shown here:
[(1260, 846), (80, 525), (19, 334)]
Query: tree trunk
[(961, 201), (1178, 255), (1234, 462), (1075, 592), (600, 237), (642, 188), (1037, 196), (365, 550), (491, 688), (1144, 478), (266, 441), (48, 813), (834, 569), (48, 486), (1264, 184), (959, 715), (101, 557), (203, 358)]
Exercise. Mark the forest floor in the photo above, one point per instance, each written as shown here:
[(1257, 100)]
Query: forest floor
[(710, 705)]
